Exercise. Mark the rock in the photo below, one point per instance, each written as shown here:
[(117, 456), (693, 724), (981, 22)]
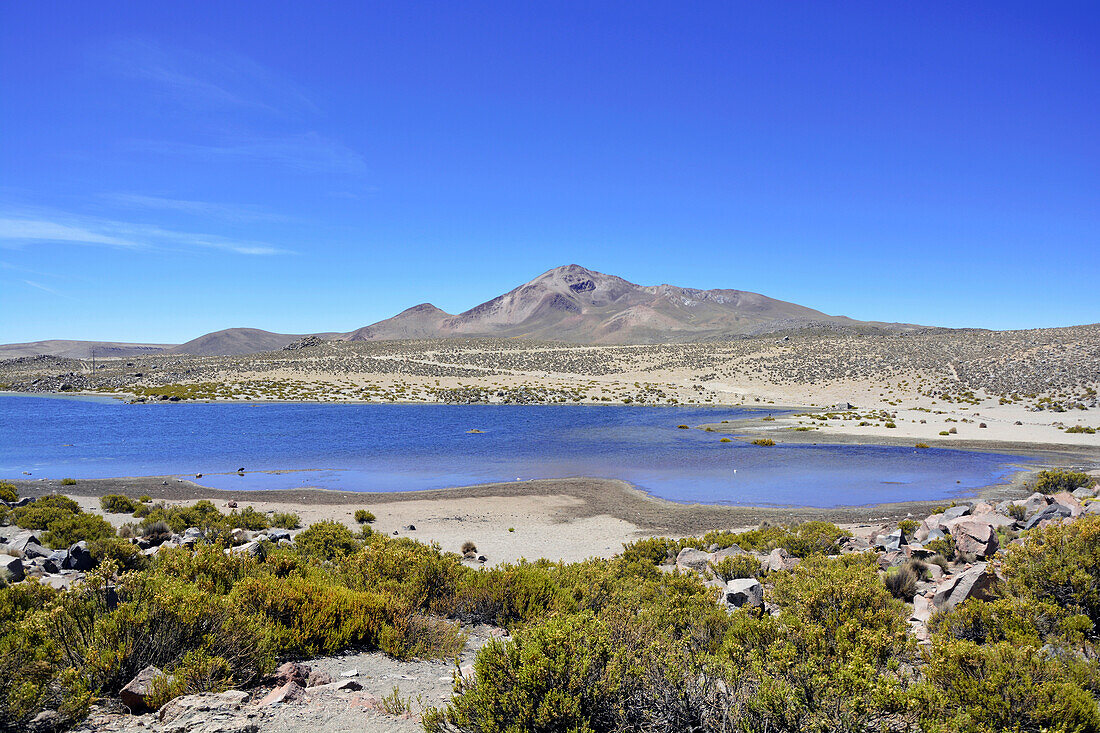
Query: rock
[(1050, 512), (11, 569), (255, 548), (79, 557), (348, 685), (240, 536), (292, 672), (350, 673), (732, 551), (854, 544), (209, 713), (30, 547), (742, 592), (974, 537), (891, 559), (892, 542), (193, 532), (974, 582), (954, 512), (992, 518), (779, 559), (1034, 503), (278, 534), (288, 693), (922, 609), (318, 677), (1082, 493), (1067, 500), (982, 507), (692, 559), (46, 721), (135, 695)]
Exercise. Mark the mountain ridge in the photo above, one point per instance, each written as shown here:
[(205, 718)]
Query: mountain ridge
[(569, 303)]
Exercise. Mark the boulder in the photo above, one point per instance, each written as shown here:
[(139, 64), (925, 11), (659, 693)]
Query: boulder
[(779, 559), (1082, 493), (1067, 500), (993, 518), (982, 507), (292, 672), (278, 534), (27, 543), (240, 536), (891, 559), (742, 592), (1049, 512), (974, 537), (138, 691), (288, 693), (79, 557), (892, 542), (974, 582), (349, 685), (732, 551), (11, 569), (318, 677), (46, 721), (692, 559), (254, 548), (1093, 507), (954, 512), (1034, 503), (208, 713), (854, 544)]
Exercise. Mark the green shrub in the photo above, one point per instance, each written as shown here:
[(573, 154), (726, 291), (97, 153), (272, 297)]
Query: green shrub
[(766, 442), (8, 492), (736, 566), (39, 513), (944, 546), (1017, 512), (553, 677), (118, 504), (68, 482), (326, 539), (248, 518), (145, 499), (362, 516), (286, 520), (908, 526), (1053, 481), (68, 530)]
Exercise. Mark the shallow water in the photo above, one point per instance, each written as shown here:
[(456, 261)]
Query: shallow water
[(405, 447)]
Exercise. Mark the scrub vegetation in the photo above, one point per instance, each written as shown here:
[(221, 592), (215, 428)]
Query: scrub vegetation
[(601, 645)]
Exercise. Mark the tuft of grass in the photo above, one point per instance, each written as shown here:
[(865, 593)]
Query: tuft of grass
[(766, 442), (68, 482), (363, 516)]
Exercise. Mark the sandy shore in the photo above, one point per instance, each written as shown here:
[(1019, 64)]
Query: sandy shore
[(559, 519)]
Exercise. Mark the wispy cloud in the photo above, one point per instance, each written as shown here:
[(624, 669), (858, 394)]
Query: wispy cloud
[(47, 289), (309, 152), (211, 78), (88, 231), (210, 209)]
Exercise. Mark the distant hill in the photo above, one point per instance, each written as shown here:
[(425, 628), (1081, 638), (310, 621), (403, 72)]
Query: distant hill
[(79, 349), (235, 341), (567, 303), (574, 304)]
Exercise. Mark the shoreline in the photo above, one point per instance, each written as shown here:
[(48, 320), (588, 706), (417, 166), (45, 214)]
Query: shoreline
[(578, 498)]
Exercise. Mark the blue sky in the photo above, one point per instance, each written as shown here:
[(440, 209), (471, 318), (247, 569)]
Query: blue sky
[(169, 169)]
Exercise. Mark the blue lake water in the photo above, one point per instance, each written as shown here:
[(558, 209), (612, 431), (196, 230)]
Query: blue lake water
[(407, 447)]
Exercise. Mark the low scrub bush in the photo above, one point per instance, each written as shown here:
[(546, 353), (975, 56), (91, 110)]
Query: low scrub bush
[(766, 442), (118, 504), (1053, 481), (362, 516), (8, 492), (326, 539), (286, 520), (736, 566)]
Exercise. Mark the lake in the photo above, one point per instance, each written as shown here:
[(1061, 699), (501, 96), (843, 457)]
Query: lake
[(407, 447)]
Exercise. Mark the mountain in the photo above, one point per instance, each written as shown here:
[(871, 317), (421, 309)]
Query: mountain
[(79, 349), (567, 303), (578, 305), (235, 341)]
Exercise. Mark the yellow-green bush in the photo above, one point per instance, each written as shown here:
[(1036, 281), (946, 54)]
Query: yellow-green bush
[(8, 492), (1055, 480), (118, 504)]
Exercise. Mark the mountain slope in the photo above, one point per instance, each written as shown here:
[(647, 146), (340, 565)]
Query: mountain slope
[(574, 304), (235, 341), (79, 349)]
